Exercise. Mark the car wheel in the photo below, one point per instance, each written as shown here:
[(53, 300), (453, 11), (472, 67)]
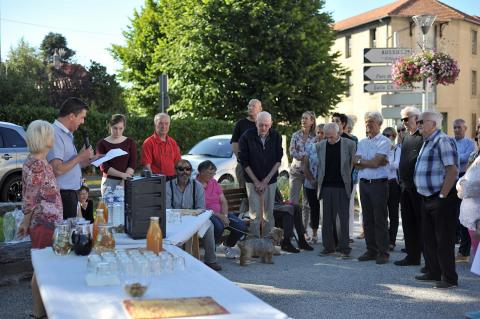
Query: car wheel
[(226, 178), (12, 189), (284, 174)]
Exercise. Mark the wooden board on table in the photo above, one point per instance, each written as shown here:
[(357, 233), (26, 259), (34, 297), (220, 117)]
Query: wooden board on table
[(173, 308)]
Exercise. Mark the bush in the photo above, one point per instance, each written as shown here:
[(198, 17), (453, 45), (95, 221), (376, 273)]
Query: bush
[(187, 132)]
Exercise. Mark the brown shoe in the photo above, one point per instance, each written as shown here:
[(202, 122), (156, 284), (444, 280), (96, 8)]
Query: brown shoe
[(214, 266)]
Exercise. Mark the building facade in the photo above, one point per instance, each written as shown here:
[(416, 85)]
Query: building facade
[(391, 26)]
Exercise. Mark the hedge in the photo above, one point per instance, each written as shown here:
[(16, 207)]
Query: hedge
[(187, 132)]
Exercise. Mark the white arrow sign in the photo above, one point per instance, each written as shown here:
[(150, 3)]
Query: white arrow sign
[(383, 87), (377, 73), (406, 99), (385, 55)]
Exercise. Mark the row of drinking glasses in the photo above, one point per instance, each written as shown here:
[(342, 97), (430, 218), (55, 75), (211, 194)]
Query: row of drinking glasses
[(135, 263)]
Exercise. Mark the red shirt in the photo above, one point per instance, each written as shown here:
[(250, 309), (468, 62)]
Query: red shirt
[(161, 155)]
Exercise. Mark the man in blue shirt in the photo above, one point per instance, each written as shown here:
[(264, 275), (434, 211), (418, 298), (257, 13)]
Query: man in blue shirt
[(465, 147), (63, 157), (435, 176)]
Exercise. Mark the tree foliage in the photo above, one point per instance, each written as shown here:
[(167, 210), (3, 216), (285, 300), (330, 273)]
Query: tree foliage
[(27, 79), (55, 41), (221, 53)]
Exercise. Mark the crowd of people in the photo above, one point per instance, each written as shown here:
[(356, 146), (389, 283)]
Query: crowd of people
[(415, 166)]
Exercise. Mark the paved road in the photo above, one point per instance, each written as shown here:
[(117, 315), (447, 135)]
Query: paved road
[(306, 286)]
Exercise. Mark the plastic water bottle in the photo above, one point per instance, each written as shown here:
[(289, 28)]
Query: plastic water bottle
[(118, 206), (109, 200)]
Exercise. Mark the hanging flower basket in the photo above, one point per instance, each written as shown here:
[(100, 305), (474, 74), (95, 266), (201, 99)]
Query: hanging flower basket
[(435, 67)]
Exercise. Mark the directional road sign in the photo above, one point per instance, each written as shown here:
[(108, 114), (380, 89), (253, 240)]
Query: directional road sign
[(385, 55), (383, 87), (377, 73), (406, 99)]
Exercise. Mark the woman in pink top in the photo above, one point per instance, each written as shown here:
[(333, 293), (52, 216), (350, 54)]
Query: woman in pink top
[(216, 201), (42, 204)]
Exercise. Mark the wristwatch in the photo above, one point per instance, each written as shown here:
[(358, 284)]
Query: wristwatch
[(359, 161), (441, 195)]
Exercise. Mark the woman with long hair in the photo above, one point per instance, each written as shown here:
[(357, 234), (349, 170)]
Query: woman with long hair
[(299, 144), (116, 170)]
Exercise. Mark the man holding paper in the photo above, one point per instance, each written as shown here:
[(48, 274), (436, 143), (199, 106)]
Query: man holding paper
[(117, 169), (63, 157)]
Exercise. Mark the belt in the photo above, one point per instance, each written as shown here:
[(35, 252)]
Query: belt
[(433, 196), (371, 181)]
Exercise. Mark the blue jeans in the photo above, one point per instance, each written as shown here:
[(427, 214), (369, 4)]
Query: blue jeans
[(235, 235)]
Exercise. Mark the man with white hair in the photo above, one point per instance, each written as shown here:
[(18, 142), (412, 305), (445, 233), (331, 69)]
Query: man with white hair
[(260, 156), (435, 175), (465, 147), (160, 152), (335, 155), (371, 161), (253, 108), (410, 199)]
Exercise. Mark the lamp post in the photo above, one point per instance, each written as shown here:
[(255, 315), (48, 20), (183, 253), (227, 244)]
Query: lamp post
[(424, 22)]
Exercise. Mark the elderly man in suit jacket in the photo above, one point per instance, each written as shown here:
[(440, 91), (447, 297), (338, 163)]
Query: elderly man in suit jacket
[(335, 156)]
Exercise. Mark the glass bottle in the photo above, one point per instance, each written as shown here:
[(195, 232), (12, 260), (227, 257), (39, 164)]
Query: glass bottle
[(61, 239), (99, 219), (105, 240), (103, 206), (154, 236)]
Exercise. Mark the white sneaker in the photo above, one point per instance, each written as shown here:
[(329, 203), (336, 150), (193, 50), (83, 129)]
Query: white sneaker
[(229, 253)]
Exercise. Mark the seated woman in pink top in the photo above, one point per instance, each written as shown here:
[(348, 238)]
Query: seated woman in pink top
[(216, 201)]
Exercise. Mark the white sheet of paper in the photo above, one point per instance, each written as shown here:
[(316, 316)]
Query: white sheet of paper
[(116, 152)]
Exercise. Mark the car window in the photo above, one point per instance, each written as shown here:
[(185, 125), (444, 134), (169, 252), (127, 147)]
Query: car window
[(213, 147), (11, 138)]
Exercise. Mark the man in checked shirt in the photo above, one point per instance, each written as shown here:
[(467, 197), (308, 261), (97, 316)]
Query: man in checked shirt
[(436, 172)]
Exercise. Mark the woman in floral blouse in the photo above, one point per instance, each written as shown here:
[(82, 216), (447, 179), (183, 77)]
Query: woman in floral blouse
[(42, 204), (301, 140)]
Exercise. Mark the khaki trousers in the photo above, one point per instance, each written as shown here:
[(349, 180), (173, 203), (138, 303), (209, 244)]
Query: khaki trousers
[(261, 209)]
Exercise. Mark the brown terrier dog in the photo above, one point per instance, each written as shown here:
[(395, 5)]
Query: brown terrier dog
[(262, 247)]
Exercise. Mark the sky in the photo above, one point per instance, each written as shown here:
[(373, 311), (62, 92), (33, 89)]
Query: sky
[(92, 26)]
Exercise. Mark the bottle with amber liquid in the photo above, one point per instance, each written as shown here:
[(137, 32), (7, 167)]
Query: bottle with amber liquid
[(154, 236), (103, 206), (99, 219)]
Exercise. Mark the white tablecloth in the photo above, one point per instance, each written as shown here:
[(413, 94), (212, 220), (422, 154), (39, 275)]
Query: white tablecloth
[(66, 295), (177, 234)]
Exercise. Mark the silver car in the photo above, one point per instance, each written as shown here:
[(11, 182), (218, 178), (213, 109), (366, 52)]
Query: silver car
[(218, 150), (13, 153)]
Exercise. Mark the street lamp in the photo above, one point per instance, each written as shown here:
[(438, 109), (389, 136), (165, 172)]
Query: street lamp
[(424, 22)]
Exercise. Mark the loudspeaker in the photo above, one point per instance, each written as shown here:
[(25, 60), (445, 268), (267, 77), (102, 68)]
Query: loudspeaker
[(144, 197)]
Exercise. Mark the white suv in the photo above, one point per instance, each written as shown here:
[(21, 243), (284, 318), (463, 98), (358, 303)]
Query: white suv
[(13, 153)]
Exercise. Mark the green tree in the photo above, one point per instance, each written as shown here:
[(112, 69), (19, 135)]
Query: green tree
[(221, 53), (105, 92), (55, 41), (23, 77)]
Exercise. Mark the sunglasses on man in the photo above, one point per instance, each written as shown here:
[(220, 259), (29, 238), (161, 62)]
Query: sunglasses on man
[(401, 130), (186, 169)]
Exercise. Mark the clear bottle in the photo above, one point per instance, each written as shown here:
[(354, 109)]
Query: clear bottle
[(118, 206), (109, 199), (154, 236), (99, 220)]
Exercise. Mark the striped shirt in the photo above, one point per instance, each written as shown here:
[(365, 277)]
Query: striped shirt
[(437, 152)]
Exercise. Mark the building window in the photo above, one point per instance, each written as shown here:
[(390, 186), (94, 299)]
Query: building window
[(474, 83), (373, 38), (474, 42), (348, 46)]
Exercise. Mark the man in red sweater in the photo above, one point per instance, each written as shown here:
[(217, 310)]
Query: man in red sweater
[(160, 152)]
